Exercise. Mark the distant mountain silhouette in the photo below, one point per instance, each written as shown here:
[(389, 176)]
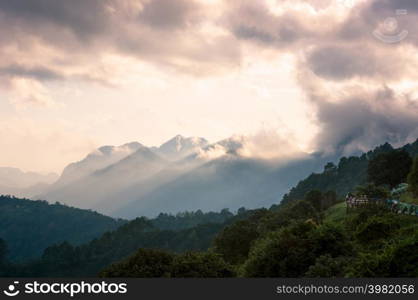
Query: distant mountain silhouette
[(182, 174)]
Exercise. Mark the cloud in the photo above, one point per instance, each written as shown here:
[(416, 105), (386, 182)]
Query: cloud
[(40, 73), (169, 14), (353, 117), (72, 40), (347, 71), (28, 92), (84, 19), (255, 22), (365, 120), (168, 32), (341, 62), (270, 144)]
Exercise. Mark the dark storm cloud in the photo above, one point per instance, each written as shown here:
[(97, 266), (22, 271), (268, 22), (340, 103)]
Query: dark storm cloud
[(252, 21), (364, 121), (361, 60), (353, 118), (164, 32), (40, 73), (85, 18), (336, 62), (253, 33), (284, 33), (167, 14), (384, 5), (370, 16)]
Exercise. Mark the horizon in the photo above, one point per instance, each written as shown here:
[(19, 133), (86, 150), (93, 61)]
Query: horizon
[(58, 174)]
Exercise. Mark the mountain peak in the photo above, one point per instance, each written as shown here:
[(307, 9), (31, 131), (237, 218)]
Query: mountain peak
[(180, 146), (179, 137), (106, 149)]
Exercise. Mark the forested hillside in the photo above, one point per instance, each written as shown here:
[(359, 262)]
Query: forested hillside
[(296, 240), (344, 177), (311, 235), (64, 259), (28, 227)]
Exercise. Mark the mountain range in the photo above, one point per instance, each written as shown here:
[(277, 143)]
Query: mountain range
[(184, 173)]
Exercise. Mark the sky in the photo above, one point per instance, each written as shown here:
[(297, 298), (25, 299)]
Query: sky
[(319, 75)]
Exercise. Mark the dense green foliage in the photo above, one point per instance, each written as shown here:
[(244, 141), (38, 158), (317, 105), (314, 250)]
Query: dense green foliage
[(389, 168), (289, 242), (200, 265), (234, 241), (413, 178), (291, 251), (155, 263), (372, 191), (3, 259), (186, 219), (145, 263), (86, 260), (28, 227), (348, 174), (3, 252)]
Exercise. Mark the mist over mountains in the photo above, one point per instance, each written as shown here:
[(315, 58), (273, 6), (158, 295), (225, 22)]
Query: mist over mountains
[(14, 181), (184, 173)]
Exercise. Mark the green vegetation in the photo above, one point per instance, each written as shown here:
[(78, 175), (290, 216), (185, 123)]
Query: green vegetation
[(3, 252), (28, 227), (364, 243), (187, 219), (389, 168), (413, 178), (155, 263), (336, 213), (409, 198), (353, 171), (67, 260)]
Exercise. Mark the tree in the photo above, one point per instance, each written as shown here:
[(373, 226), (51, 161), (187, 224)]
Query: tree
[(372, 191), (389, 168), (329, 199), (234, 242), (375, 229), (330, 168), (413, 178), (403, 260), (200, 265), (145, 263), (3, 252), (327, 266), (315, 198), (291, 251), (284, 253)]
